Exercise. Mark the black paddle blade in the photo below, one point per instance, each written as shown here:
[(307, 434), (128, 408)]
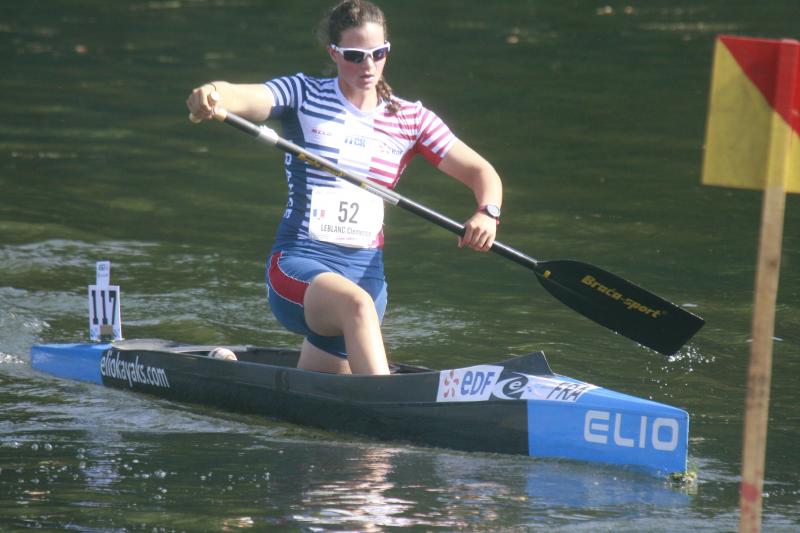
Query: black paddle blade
[(619, 305)]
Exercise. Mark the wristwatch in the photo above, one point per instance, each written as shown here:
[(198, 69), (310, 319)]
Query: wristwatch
[(491, 210)]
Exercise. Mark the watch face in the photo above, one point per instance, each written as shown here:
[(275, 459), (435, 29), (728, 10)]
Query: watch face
[(492, 210)]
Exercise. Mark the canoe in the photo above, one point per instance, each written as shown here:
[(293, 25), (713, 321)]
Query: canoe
[(516, 406)]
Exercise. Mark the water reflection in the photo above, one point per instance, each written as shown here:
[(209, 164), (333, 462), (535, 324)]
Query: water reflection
[(362, 497), (255, 481), (377, 487), (547, 485)]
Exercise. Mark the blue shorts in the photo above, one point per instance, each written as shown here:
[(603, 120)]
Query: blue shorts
[(288, 276)]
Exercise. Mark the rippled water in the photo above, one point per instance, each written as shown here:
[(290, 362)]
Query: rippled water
[(593, 114)]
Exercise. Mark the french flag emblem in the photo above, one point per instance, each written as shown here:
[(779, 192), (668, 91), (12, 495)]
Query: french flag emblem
[(318, 213)]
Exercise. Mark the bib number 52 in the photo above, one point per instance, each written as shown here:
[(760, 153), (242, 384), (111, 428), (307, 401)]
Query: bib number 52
[(348, 212)]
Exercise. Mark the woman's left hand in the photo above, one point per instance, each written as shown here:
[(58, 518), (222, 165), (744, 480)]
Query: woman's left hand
[(479, 234)]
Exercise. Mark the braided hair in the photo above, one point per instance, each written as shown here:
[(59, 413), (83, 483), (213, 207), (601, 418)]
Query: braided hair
[(352, 14)]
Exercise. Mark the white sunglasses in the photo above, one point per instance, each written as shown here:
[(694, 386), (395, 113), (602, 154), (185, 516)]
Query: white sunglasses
[(358, 55)]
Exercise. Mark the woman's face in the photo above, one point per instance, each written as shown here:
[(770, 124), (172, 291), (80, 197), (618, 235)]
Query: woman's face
[(360, 77)]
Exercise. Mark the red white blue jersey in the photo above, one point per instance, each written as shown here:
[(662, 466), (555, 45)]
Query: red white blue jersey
[(374, 145)]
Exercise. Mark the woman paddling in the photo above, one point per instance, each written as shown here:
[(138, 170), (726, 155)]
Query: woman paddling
[(325, 275)]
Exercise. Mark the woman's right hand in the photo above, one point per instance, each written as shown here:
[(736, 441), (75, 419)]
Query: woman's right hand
[(202, 102)]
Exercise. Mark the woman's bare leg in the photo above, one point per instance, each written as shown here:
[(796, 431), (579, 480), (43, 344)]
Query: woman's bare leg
[(312, 358), (335, 305)]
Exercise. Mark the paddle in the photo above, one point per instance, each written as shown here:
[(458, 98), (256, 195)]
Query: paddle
[(598, 295)]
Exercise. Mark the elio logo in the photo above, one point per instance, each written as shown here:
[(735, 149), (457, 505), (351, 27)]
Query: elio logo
[(606, 427)]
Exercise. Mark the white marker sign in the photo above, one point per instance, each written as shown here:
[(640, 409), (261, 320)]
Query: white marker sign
[(105, 320)]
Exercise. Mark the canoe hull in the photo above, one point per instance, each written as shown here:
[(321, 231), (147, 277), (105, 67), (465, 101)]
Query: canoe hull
[(518, 406)]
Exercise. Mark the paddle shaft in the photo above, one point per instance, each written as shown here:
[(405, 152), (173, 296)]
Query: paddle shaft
[(268, 136), (601, 296)]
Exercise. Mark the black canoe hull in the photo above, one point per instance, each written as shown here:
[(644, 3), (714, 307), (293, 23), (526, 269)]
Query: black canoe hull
[(516, 406), (400, 407)]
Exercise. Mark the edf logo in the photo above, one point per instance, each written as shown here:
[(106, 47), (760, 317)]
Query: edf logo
[(476, 383), (472, 384)]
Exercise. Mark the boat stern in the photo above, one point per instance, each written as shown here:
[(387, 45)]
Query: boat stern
[(70, 361)]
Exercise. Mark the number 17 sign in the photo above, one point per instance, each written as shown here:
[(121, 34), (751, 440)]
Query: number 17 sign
[(105, 321)]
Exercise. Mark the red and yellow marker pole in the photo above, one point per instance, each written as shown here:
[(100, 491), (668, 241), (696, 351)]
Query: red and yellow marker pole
[(753, 141)]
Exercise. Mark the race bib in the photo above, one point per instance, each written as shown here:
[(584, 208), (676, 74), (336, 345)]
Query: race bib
[(347, 216)]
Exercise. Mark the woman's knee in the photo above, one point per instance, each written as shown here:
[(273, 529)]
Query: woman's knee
[(360, 305), (332, 300)]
